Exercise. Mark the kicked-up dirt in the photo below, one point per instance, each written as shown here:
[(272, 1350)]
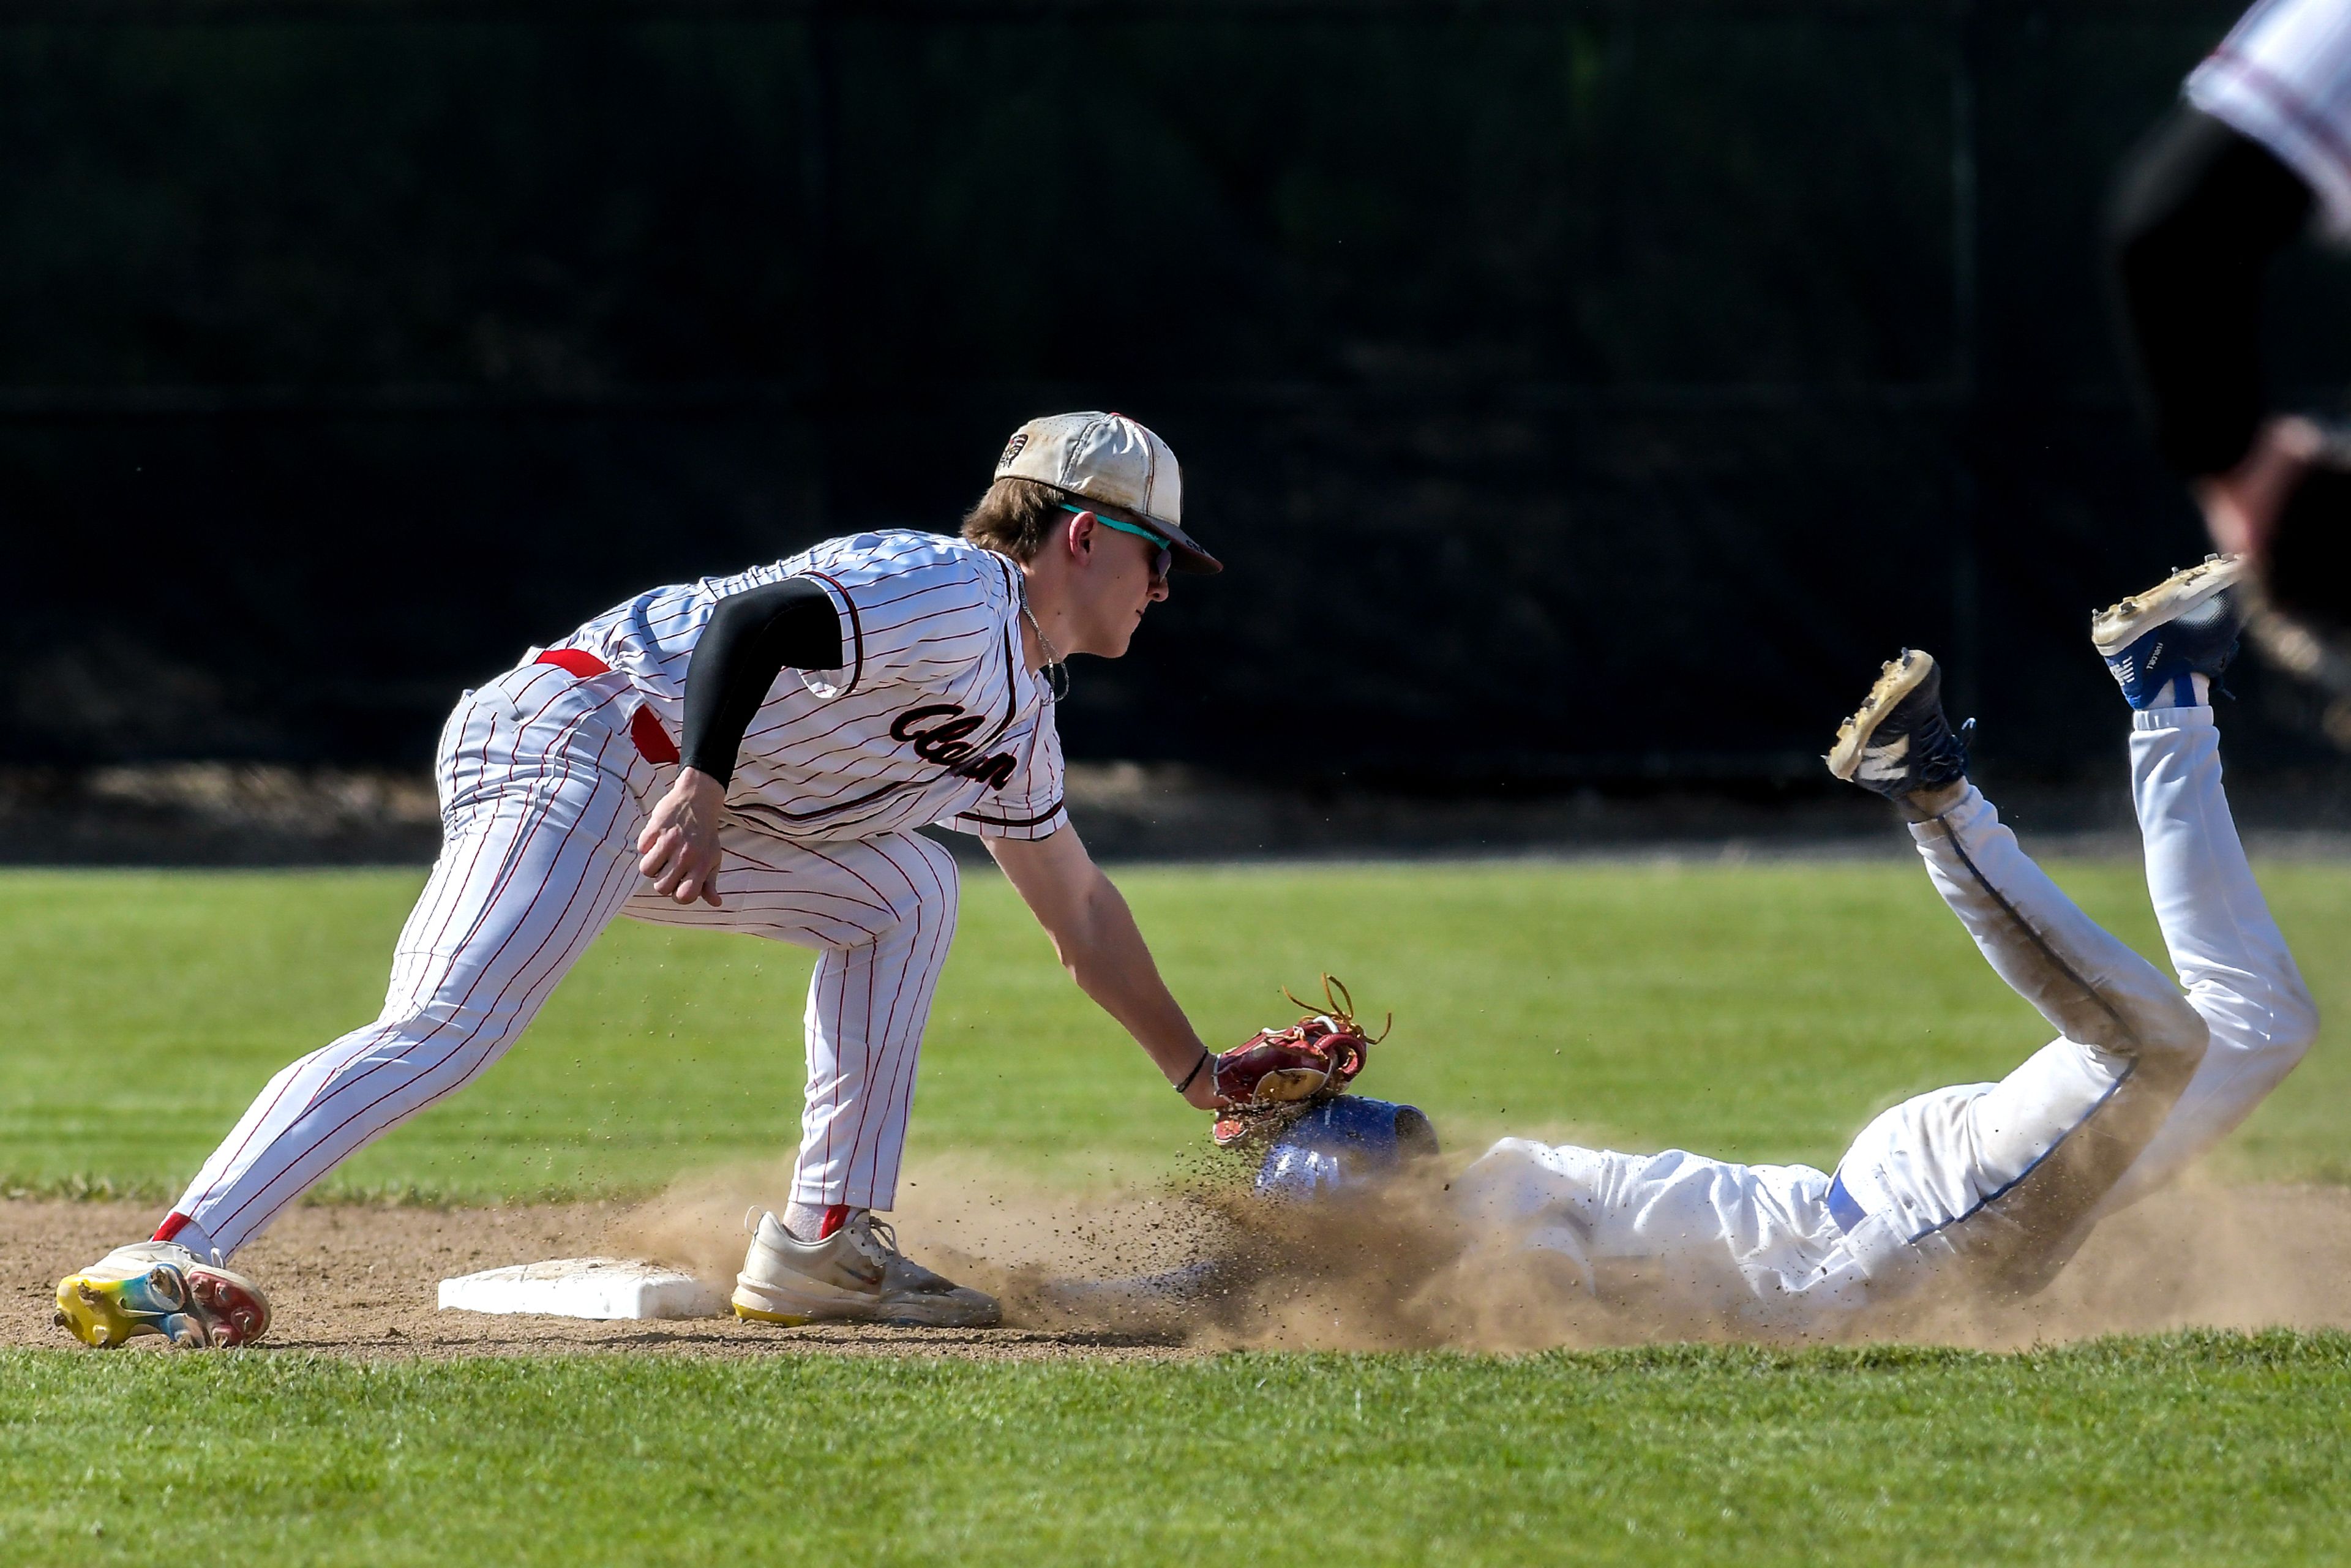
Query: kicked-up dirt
[(355, 1279)]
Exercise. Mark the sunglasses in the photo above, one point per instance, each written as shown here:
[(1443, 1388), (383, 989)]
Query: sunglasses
[(1160, 563)]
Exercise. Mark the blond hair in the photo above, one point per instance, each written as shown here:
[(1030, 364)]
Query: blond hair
[(1014, 517)]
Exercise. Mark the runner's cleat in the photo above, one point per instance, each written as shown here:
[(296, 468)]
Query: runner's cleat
[(855, 1275), (2156, 642), (1898, 742), (161, 1288)]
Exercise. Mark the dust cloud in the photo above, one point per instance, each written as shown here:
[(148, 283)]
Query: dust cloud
[(1200, 1262)]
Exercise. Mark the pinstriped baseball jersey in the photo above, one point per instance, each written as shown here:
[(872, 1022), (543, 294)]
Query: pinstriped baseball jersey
[(933, 718), (2282, 77)]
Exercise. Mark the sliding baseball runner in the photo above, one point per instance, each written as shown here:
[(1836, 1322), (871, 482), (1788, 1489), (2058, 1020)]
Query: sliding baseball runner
[(753, 753), (1986, 1185)]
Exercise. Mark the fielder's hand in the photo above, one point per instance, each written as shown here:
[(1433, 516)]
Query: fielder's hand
[(2287, 509), (679, 847), (2241, 507)]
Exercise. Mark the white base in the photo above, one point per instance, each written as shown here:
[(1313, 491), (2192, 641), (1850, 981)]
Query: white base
[(583, 1288)]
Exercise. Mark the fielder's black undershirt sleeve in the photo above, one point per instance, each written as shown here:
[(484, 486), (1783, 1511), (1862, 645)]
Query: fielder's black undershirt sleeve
[(2197, 215), (753, 636)]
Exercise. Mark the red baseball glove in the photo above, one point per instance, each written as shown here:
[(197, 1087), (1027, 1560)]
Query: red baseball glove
[(1279, 1071)]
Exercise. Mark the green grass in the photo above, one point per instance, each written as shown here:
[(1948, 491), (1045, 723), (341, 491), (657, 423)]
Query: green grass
[(2210, 1449), (1753, 1012), (1756, 1012)]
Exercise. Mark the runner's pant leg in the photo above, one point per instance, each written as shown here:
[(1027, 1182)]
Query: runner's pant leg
[(539, 819), (1752, 1242), (2009, 1175), (2229, 952), (881, 913)]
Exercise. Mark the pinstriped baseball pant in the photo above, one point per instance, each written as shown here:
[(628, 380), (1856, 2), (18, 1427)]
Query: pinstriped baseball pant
[(542, 797), (880, 912)]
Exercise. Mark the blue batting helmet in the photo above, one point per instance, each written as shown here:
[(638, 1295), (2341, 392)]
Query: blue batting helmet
[(1341, 1143)]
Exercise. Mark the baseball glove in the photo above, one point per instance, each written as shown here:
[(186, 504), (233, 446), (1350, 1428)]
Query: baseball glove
[(1276, 1074)]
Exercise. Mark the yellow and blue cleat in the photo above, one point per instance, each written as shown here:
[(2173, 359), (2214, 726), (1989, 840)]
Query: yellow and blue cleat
[(161, 1288)]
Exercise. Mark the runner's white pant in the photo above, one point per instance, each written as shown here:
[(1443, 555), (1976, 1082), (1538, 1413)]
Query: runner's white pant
[(542, 797), (2009, 1174)]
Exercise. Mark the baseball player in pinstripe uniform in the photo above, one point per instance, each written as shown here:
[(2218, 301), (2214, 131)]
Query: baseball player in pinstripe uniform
[(2258, 154), (750, 753)]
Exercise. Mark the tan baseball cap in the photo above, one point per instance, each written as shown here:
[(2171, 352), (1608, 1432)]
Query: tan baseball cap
[(1110, 458)]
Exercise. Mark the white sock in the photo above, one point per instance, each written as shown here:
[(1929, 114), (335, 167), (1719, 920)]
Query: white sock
[(805, 1220), (193, 1237)]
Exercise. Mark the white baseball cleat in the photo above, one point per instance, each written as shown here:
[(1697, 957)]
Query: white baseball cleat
[(855, 1275)]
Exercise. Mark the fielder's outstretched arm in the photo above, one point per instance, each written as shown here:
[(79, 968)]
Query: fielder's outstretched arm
[(1095, 937)]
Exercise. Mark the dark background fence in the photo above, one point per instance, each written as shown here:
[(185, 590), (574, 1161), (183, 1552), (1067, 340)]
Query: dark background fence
[(1577, 391)]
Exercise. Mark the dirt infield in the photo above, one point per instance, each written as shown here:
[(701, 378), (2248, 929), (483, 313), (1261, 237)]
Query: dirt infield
[(349, 1280)]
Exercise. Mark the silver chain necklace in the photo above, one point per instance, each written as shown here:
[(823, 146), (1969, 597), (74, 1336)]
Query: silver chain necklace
[(1056, 673)]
